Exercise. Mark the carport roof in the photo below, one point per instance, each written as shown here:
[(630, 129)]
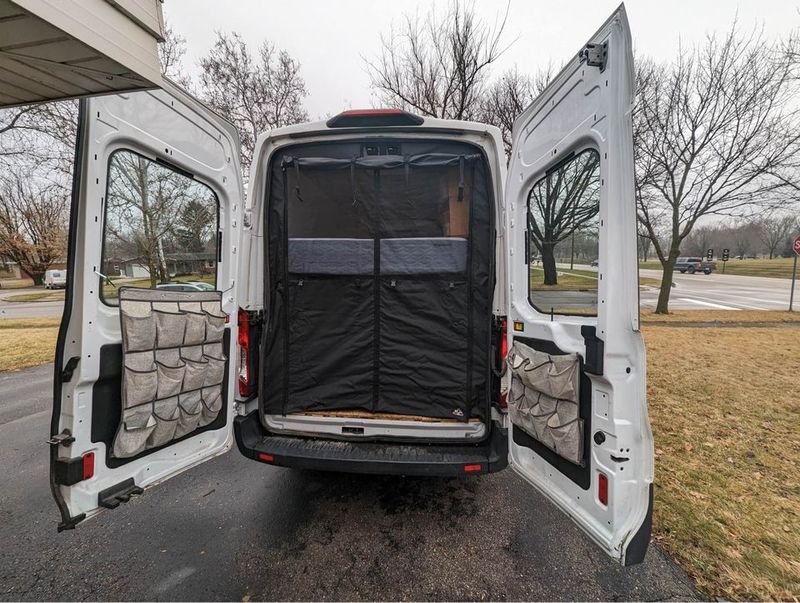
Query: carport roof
[(57, 49)]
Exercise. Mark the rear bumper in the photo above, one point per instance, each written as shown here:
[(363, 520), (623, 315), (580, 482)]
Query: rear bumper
[(387, 458)]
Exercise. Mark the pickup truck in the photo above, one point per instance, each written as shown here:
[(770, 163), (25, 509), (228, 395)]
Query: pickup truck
[(692, 265)]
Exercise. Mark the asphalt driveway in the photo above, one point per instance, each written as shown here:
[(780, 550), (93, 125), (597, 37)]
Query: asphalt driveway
[(233, 529)]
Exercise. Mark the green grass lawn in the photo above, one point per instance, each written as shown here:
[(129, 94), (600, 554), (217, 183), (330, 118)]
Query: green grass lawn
[(775, 268)]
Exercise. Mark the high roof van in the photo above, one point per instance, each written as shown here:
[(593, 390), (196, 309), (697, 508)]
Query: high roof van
[(393, 295)]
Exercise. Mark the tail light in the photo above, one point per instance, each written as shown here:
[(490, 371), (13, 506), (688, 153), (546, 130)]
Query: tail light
[(244, 353), (502, 399)]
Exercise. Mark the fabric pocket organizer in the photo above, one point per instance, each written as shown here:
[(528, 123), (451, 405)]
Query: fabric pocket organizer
[(215, 371), (215, 326), (190, 406), (543, 399), (167, 414), (138, 332), (140, 383), (170, 328), (195, 374), (195, 333), (212, 404), (138, 423), (170, 379)]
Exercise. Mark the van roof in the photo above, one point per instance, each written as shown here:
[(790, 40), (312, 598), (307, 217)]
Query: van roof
[(382, 125)]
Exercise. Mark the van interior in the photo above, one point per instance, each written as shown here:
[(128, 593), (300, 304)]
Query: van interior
[(380, 276)]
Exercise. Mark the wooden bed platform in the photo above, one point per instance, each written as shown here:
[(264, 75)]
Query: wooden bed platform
[(365, 414)]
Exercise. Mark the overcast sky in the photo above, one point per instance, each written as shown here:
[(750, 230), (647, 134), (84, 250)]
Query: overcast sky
[(329, 38)]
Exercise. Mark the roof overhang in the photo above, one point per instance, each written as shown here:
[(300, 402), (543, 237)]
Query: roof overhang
[(58, 49)]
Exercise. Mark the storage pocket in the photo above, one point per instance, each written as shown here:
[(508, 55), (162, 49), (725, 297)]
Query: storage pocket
[(167, 414), (567, 438), (139, 386), (195, 374), (138, 332), (212, 403), (134, 430), (170, 327), (215, 370), (555, 375), (191, 406), (195, 332), (170, 379), (215, 325)]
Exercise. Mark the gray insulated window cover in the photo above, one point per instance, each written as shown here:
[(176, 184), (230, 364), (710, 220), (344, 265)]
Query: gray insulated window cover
[(173, 366), (543, 400)]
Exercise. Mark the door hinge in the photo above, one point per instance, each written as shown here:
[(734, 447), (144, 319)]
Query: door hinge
[(595, 55), (69, 368), (62, 439)]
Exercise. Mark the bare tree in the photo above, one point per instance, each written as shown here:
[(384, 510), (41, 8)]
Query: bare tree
[(170, 53), (713, 133), (32, 224), (510, 95), (774, 231), (256, 93), (565, 202), (437, 65)]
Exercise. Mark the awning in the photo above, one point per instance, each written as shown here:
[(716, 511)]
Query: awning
[(58, 49)]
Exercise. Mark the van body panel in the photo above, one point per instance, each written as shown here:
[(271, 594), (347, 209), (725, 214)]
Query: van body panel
[(583, 116), (168, 129)]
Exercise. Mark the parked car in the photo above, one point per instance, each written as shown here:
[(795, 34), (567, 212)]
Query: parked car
[(186, 286), (692, 265), (595, 263), (55, 279), (366, 281)]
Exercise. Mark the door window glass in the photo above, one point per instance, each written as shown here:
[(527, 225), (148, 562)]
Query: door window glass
[(563, 220), (160, 227)]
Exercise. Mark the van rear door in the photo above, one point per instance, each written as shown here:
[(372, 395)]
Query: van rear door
[(157, 197), (577, 402)]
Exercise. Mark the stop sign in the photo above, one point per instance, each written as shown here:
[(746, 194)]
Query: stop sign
[(796, 245)]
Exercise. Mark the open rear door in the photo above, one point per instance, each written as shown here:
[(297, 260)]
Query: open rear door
[(577, 400), (144, 371)]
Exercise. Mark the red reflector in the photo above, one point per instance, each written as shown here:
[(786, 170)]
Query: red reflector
[(266, 457), (88, 465), (602, 488), (471, 468)]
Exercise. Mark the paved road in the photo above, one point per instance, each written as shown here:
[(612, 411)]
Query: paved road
[(722, 292), (691, 292), (37, 309), (233, 528)]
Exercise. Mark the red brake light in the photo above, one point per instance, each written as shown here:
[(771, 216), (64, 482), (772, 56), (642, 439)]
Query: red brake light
[(355, 118), (244, 353), (88, 465), (602, 488)]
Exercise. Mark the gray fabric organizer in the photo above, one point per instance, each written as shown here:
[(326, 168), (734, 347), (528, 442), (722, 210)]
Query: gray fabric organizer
[(544, 399), (173, 366)]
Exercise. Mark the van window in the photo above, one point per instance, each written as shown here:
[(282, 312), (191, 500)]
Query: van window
[(160, 226), (563, 220)]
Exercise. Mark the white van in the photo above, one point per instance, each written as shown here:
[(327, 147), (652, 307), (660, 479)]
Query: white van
[(372, 284), (55, 279)]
